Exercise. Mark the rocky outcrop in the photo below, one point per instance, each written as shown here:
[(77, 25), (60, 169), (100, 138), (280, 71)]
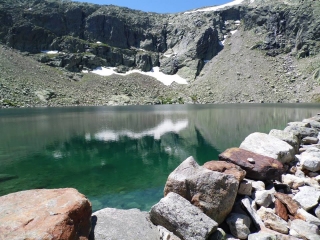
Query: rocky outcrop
[(116, 36), (213, 192), (178, 215), (45, 214), (111, 223)]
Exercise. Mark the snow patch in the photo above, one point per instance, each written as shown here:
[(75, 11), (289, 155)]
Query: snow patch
[(233, 32), (99, 42), (167, 55), (50, 51), (155, 72), (166, 126), (209, 9)]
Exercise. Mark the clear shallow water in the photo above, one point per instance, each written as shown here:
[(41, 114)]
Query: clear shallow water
[(121, 156)]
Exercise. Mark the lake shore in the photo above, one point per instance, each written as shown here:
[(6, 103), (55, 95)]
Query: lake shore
[(266, 183)]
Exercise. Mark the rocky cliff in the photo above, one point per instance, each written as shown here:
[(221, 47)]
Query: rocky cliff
[(258, 51)]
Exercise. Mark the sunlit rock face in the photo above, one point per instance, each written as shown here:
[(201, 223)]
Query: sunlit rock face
[(45, 214)]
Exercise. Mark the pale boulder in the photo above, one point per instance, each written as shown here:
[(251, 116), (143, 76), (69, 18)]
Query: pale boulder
[(288, 137), (239, 225), (307, 197), (269, 146), (263, 198), (179, 216), (302, 229), (111, 223), (310, 159), (213, 192), (272, 221)]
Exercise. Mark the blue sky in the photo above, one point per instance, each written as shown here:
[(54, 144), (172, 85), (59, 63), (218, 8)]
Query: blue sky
[(160, 6)]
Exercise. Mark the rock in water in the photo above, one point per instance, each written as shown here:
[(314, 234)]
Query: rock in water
[(182, 218), (264, 167), (121, 224), (269, 146), (45, 214), (213, 192), (6, 177)]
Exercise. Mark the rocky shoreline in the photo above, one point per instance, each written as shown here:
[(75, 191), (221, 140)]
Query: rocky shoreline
[(268, 188)]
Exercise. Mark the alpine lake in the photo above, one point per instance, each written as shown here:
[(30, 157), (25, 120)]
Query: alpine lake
[(121, 156)]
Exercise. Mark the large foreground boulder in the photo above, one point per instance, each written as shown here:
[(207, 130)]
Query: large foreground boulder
[(269, 146), (111, 223), (182, 218), (45, 214), (258, 167), (213, 192)]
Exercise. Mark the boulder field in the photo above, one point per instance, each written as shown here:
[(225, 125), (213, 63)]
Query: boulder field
[(268, 188)]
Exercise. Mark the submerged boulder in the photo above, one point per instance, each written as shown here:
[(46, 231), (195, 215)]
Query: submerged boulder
[(213, 192), (269, 146), (45, 214)]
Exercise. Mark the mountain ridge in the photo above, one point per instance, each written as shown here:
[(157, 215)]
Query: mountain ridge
[(88, 36)]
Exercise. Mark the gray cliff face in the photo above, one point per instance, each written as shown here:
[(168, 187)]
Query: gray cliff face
[(134, 39), (272, 57)]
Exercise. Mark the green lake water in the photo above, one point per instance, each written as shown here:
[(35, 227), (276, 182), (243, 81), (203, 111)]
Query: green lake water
[(121, 156)]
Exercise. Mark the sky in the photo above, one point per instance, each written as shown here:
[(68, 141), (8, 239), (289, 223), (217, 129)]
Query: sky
[(160, 6)]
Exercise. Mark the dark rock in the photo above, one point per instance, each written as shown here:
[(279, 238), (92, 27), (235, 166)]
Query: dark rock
[(291, 204), (264, 168), (281, 210)]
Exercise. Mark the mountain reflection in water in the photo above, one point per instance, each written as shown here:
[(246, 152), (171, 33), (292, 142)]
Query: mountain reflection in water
[(121, 156)]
